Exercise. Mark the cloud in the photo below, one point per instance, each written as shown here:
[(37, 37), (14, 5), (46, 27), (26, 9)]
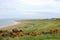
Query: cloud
[(42, 5), (36, 2), (29, 8), (7, 3), (57, 0)]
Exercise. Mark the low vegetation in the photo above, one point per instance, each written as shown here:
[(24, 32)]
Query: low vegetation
[(32, 30)]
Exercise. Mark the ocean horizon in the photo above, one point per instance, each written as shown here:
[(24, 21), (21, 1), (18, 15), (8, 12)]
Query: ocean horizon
[(6, 22)]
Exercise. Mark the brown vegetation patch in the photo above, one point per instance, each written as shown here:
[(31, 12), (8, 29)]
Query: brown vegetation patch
[(20, 33)]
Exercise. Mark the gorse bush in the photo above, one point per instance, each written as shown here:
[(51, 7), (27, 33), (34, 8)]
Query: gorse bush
[(20, 33)]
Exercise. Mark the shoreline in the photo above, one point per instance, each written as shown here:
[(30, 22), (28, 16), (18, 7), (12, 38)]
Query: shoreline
[(16, 23)]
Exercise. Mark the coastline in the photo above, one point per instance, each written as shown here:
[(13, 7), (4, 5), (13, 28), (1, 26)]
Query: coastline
[(15, 23)]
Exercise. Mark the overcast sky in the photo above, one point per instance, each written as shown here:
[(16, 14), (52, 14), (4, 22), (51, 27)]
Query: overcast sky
[(29, 9)]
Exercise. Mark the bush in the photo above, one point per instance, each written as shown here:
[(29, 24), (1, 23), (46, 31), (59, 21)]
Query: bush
[(15, 30)]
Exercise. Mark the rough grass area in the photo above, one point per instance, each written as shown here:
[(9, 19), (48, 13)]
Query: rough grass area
[(39, 37), (35, 25)]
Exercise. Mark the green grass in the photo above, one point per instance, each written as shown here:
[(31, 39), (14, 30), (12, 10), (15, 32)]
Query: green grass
[(39, 37), (41, 25)]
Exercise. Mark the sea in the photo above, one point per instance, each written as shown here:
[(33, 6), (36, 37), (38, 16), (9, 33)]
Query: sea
[(6, 22)]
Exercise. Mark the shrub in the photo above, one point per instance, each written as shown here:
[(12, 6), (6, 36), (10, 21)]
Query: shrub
[(14, 30)]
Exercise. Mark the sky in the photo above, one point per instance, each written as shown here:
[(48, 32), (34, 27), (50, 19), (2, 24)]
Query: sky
[(29, 9)]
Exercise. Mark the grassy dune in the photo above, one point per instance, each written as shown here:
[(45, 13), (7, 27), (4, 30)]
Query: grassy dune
[(35, 25)]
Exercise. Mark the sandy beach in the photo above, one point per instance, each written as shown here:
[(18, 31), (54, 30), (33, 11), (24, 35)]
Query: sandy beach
[(16, 23)]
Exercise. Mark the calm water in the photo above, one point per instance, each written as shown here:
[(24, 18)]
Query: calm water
[(6, 22)]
